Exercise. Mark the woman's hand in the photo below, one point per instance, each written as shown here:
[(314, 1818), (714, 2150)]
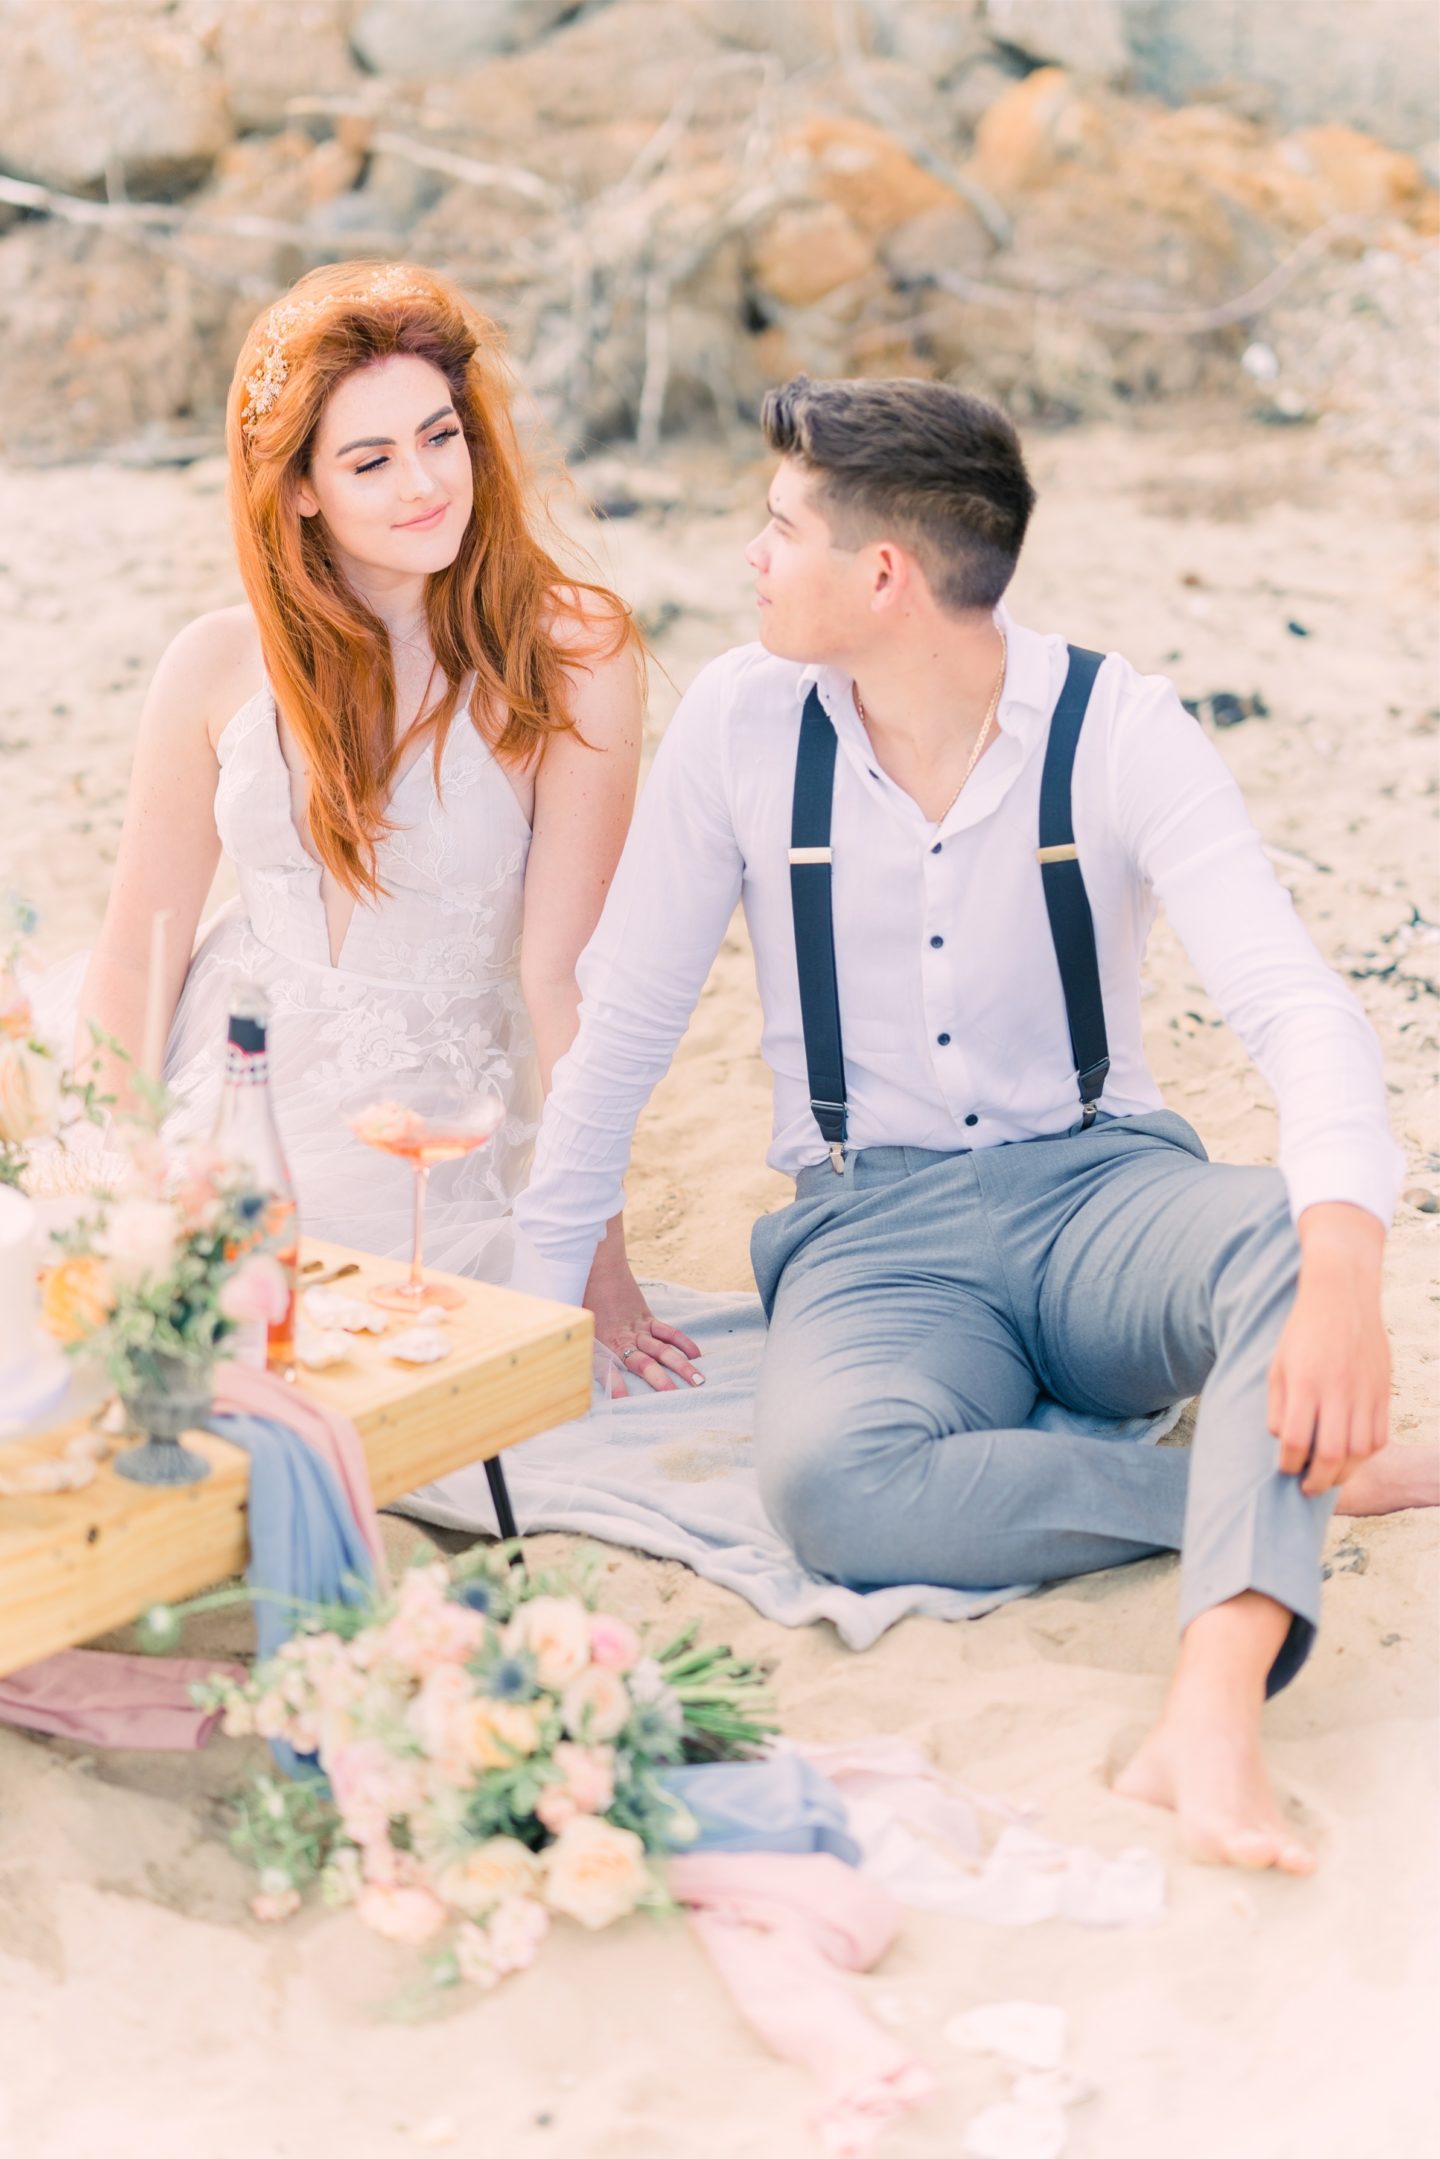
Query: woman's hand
[(649, 1348)]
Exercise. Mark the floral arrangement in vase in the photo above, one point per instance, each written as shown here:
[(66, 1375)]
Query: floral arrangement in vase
[(490, 1750), (154, 1282)]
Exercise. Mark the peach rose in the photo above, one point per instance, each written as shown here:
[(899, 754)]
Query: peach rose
[(595, 1872), (77, 1297), (498, 1869), (556, 1632), (29, 1092), (596, 1705), (499, 1732), (401, 1915), (16, 1019)]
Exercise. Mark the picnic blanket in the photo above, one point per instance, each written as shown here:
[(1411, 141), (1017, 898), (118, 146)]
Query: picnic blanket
[(673, 1475)]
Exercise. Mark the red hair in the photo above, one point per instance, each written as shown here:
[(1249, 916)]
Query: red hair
[(504, 610)]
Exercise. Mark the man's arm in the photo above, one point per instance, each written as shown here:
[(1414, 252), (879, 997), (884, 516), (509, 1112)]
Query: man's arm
[(1186, 823), (667, 911)]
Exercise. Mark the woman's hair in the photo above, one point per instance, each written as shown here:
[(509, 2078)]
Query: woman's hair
[(940, 469), (504, 610)]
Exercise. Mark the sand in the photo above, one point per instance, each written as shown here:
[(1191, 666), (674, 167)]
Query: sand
[(141, 2009)]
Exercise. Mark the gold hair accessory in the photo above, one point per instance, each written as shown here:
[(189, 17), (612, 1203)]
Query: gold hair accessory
[(265, 384)]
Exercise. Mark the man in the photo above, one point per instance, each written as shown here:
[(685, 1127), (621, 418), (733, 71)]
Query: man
[(992, 1203)]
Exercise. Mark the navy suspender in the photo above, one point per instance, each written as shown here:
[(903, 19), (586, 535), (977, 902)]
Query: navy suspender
[(814, 925), (1071, 925)]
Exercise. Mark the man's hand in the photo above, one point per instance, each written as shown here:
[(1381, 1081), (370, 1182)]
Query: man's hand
[(647, 1347), (1329, 1403)]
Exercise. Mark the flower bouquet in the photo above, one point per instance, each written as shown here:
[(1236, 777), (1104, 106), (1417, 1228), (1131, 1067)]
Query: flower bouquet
[(490, 1751)]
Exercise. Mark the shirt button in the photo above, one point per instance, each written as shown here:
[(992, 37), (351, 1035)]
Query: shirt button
[(942, 1040), (936, 942), (936, 848), (972, 1118)]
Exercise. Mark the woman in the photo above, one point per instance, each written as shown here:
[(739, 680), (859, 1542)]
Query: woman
[(418, 743)]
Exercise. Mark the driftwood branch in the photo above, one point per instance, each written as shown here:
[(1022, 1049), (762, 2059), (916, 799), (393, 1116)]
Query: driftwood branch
[(130, 217)]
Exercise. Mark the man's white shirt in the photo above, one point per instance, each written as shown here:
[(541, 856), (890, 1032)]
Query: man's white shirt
[(951, 1008)]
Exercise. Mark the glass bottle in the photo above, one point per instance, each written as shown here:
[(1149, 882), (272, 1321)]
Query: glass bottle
[(247, 1135)]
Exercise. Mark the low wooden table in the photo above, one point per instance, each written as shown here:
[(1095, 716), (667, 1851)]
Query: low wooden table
[(74, 1564)]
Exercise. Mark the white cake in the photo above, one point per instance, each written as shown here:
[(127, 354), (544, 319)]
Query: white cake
[(18, 1330), (33, 1374)]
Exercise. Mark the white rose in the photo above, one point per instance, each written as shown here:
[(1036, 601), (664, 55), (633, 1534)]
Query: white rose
[(140, 1239), (556, 1632), (596, 1705), (595, 1872)]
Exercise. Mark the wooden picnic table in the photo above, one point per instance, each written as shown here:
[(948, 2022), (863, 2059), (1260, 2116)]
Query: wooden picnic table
[(74, 1564)]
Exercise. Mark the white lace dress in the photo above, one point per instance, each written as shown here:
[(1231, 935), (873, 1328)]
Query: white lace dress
[(427, 981)]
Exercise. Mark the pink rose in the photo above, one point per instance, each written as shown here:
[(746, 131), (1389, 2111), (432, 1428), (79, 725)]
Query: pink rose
[(596, 1705), (589, 1775), (401, 1915), (515, 1931), (554, 1808), (273, 1904), (257, 1290), (613, 1642)]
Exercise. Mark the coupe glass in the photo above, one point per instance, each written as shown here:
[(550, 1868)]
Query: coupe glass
[(424, 1122)]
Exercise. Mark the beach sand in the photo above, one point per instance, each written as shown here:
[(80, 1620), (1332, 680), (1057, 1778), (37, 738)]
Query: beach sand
[(140, 2007)]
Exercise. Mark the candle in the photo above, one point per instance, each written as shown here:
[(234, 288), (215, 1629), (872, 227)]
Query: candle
[(152, 1051)]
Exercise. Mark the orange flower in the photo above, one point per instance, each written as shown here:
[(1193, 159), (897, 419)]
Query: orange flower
[(77, 1297)]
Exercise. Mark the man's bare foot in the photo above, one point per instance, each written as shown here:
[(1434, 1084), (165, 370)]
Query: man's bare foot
[(1218, 1785), (1203, 1758), (1398, 1476)]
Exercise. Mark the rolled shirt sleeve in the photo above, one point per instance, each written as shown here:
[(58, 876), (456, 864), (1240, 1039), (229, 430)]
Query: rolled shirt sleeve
[(640, 976)]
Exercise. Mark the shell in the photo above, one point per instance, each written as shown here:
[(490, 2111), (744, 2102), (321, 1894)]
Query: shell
[(331, 1308), (419, 1345), (317, 1347)]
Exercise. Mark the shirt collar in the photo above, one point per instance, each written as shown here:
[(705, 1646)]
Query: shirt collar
[(1025, 704)]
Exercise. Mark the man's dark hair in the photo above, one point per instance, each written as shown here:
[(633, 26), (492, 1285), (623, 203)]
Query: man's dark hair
[(941, 470)]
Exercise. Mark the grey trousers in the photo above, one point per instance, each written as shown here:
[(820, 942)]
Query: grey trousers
[(921, 1302)]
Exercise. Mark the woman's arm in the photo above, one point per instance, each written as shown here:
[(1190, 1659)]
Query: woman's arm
[(168, 843), (584, 795)]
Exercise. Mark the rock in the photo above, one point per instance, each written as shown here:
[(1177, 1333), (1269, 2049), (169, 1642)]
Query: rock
[(805, 253), (88, 89), (863, 171), (271, 51), (1020, 140), (416, 39), (941, 38), (946, 238), (1087, 36), (1422, 1199), (655, 50), (1371, 67)]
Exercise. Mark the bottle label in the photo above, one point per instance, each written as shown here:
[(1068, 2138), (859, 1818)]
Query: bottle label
[(246, 1068)]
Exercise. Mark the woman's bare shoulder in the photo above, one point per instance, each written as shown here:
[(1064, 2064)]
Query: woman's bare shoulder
[(209, 670)]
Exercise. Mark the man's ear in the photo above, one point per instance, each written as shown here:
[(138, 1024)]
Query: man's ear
[(890, 575)]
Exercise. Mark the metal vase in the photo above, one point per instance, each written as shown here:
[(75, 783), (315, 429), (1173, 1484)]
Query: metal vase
[(172, 1399)]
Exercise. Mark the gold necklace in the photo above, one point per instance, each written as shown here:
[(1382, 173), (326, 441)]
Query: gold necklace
[(980, 740)]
